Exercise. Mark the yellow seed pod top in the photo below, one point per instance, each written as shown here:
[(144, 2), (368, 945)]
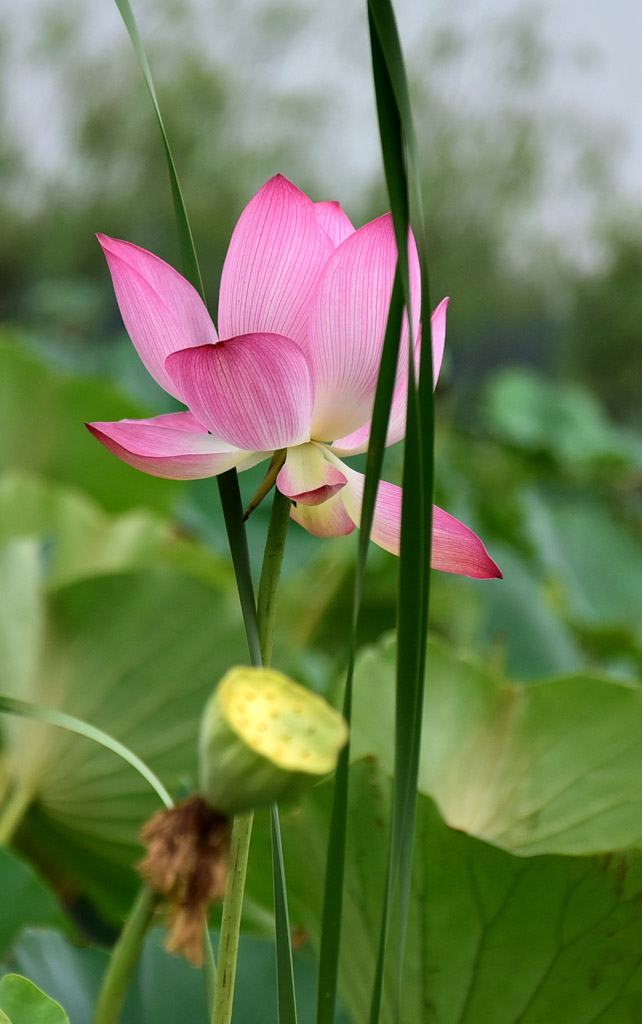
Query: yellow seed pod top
[(281, 720)]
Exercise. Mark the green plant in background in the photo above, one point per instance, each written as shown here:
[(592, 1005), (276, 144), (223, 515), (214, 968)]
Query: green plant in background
[(21, 1002)]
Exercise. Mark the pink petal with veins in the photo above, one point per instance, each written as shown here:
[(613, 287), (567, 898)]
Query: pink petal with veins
[(277, 252), (307, 477), (161, 311), (357, 442), (348, 323), (334, 221), (174, 446), (455, 548), (255, 391), (327, 520)]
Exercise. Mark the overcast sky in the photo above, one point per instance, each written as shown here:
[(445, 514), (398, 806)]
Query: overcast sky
[(595, 48)]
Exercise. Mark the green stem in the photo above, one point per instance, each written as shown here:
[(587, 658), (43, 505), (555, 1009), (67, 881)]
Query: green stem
[(231, 919), (271, 573), (242, 825), (124, 958), (232, 506), (12, 812)]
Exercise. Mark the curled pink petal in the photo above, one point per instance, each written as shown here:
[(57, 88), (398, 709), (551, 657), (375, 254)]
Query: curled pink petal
[(174, 446), (334, 221), (276, 254), (161, 311), (348, 323), (307, 477), (255, 391), (329, 519), (357, 442), (455, 548)]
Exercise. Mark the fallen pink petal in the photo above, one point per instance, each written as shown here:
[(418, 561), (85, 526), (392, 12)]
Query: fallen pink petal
[(303, 307)]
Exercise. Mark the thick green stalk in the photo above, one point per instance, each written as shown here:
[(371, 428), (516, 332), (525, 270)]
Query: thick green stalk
[(231, 920), (124, 958), (242, 825), (271, 573)]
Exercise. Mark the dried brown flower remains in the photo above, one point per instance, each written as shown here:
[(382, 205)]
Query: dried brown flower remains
[(186, 862)]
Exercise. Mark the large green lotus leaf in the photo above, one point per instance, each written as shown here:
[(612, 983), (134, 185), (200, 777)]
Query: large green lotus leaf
[(493, 938), (165, 989), (25, 900), (521, 621), (24, 1003), (21, 616), (562, 419), (42, 416), (136, 654), (82, 540), (595, 561), (555, 766)]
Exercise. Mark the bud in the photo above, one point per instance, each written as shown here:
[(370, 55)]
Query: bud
[(264, 738)]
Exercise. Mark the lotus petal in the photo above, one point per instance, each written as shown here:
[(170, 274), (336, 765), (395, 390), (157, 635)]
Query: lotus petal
[(348, 323), (327, 520), (334, 221), (357, 442), (161, 311), (174, 446), (254, 391), (455, 548), (277, 252), (307, 477)]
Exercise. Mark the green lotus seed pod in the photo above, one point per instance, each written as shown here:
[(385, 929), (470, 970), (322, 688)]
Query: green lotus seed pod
[(264, 737)]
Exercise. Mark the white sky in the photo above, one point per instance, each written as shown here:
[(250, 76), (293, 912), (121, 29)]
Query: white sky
[(596, 70)]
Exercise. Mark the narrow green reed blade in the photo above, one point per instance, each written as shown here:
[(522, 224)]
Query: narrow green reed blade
[(284, 966), (28, 709), (335, 863), (227, 482), (399, 156), (191, 268)]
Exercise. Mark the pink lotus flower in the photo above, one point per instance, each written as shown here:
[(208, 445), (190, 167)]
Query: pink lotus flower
[(302, 312)]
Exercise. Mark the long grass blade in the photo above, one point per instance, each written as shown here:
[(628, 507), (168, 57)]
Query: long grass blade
[(284, 966), (27, 709), (400, 152), (335, 863), (191, 268), (227, 482), (335, 859), (266, 609)]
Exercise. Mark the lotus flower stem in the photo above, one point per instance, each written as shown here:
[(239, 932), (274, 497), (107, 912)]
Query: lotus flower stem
[(231, 919), (124, 957), (242, 824), (271, 573)]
